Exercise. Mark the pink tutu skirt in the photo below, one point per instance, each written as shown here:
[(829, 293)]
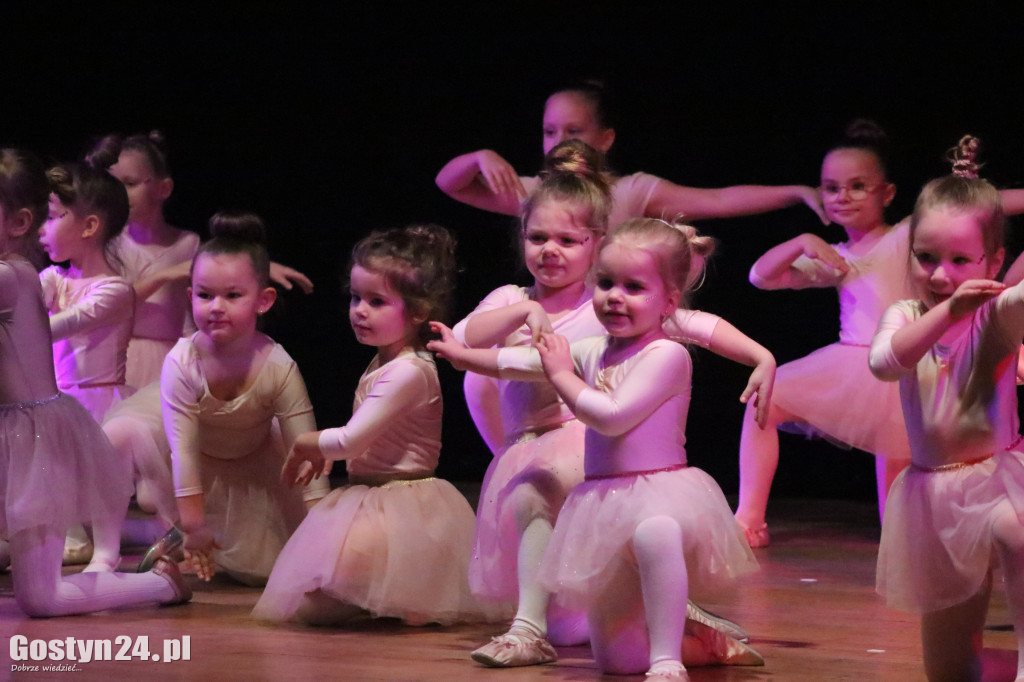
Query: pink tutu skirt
[(937, 538), (398, 550), (57, 468), (833, 391), (599, 517), (532, 479)]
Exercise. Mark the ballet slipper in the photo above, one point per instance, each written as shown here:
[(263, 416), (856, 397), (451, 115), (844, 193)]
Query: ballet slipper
[(76, 552), (725, 650), (169, 545), (712, 620), (667, 671), (756, 537), (169, 571)]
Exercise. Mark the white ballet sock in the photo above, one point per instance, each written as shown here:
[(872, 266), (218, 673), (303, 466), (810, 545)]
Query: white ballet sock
[(658, 545)]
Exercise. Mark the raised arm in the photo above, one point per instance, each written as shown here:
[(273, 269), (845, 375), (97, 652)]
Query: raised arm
[(775, 269), (484, 180), (693, 203), (105, 304)]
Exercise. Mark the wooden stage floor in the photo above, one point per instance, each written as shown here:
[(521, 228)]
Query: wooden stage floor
[(812, 612)]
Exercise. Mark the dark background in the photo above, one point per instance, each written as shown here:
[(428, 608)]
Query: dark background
[(330, 122)]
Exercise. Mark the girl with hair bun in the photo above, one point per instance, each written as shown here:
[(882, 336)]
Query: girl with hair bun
[(562, 224), (953, 351), (394, 542), (642, 531), (580, 111), (233, 402), (56, 467), (831, 392)]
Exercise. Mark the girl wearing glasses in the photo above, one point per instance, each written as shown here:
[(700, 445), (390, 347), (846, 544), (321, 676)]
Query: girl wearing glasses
[(831, 392)]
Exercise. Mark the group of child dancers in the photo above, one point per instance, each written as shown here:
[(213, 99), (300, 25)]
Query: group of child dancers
[(137, 368)]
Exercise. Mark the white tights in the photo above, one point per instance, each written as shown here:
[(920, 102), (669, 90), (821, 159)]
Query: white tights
[(41, 590)]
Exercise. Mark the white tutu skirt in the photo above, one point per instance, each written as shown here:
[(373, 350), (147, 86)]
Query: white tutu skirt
[(531, 479), (135, 427), (937, 537), (398, 550), (57, 468), (833, 391), (145, 360), (599, 518)]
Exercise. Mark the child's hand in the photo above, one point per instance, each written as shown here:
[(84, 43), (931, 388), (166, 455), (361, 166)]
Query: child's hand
[(554, 354), (816, 248), (286, 277), (538, 322), (499, 174), (447, 347), (812, 198), (759, 386), (970, 295), (304, 461), (198, 547)]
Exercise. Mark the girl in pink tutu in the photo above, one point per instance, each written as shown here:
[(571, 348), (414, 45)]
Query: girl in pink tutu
[(563, 221), (56, 467), (643, 531), (90, 305), (954, 353), (233, 403), (395, 542), (831, 392)]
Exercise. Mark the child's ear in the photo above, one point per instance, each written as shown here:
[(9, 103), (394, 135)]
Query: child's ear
[(165, 186), (20, 223), (91, 226), (420, 315), (996, 263), (266, 299), (672, 303), (605, 140), (889, 194)]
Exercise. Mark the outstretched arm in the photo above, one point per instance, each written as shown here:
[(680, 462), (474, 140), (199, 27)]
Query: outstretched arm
[(287, 277), (484, 180), (692, 203), (774, 270), (731, 343), (490, 328)]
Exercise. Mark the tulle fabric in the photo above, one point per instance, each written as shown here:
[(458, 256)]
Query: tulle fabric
[(937, 537), (145, 360), (600, 516), (397, 550), (57, 467), (834, 392), (531, 478)]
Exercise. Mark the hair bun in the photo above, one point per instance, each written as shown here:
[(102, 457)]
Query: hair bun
[(575, 157), (964, 157), (244, 227)]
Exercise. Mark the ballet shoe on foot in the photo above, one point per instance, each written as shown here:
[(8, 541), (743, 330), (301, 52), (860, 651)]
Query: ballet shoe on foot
[(168, 570), (76, 552), (756, 537), (670, 671), (170, 545), (726, 650), (728, 628), (514, 649), (101, 566)]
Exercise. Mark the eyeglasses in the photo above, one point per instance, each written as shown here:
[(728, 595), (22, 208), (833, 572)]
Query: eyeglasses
[(855, 190)]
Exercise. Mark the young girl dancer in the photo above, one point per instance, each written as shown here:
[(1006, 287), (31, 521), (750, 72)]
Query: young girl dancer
[(396, 541), (221, 389), (831, 391), (642, 532), (954, 353), (57, 468), (485, 180), (562, 222), (90, 305), (155, 256)]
